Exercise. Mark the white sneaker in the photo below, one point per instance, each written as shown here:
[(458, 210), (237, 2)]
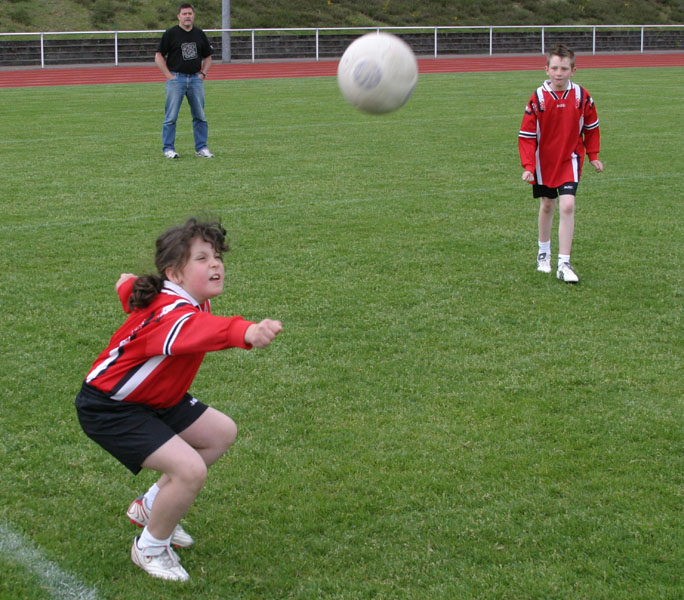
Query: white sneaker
[(566, 273), (543, 262), (171, 154), (204, 153), (139, 515), (165, 565)]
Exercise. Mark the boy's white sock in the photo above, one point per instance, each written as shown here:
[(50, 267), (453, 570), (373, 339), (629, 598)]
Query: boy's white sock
[(563, 258), (150, 495), (151, 545), (545, 248)]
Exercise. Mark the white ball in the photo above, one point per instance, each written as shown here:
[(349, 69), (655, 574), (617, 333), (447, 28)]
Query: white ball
[(377, 72)]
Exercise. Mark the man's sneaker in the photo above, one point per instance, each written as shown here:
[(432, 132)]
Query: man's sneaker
[(139, 515), (543, 262), (165, 565), (170, 153), (566, 273), (204, 153)]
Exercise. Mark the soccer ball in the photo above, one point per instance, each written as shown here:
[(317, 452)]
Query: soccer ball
[(377, 73)]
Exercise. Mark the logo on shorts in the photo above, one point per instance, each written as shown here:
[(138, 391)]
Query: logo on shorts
[(193, 402), (189, 50)]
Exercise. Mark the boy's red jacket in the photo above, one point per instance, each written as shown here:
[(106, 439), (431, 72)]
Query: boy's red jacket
[(154, 356), (557, 131)]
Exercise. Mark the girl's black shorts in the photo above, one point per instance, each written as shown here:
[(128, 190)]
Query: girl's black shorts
[(541, 191), (130, 431)]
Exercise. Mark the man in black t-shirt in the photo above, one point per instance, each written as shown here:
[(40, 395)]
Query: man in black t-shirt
[(184, 57)]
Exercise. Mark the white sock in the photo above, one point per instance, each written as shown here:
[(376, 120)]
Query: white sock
[(545, 248), (563, 258), (150, 495), (150, 544)]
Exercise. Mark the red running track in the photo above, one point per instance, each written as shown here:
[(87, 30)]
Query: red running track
[(265, 70)]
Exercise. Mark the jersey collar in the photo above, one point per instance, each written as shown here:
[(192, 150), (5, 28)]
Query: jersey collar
[(554, 93), (176, 290)]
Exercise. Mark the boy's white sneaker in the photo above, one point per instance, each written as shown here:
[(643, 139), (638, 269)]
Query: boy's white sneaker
[(171, 154), (543, 262), (566, 273), (165, 565), (204, 153), (139, 515)]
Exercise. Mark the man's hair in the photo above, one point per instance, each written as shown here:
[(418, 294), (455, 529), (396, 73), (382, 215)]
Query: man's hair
[(563, 51), (185, 5), (173, 252)]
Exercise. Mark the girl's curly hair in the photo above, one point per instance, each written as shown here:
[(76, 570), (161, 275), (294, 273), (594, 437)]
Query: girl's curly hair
[(173, 252)]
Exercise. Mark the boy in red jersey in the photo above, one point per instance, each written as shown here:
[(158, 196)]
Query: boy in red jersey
[(134, 401), (559, 128)]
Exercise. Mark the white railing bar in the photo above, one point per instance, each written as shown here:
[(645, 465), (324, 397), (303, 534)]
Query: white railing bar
[(317, 30), (397, 28)]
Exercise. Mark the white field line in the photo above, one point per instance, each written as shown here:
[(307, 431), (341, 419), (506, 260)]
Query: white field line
[(58, 583)]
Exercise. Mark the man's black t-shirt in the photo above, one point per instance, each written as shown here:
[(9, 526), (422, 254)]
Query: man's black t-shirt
[(184, 50)]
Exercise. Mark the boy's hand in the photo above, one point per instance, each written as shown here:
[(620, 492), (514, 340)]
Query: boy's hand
[(263, 333), (597, 164), (123, 278), (528, 176)]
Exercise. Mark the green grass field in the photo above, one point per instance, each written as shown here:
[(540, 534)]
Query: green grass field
[(437, 420)]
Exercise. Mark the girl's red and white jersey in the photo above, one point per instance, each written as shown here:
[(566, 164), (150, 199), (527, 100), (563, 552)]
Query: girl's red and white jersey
[(154, 356), (557, 131)]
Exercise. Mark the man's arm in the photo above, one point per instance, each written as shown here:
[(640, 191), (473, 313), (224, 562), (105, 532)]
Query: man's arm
[(160, 61), (206, 65)]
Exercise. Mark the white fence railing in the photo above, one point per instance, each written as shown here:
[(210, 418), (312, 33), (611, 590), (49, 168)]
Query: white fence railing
[(73, 47)]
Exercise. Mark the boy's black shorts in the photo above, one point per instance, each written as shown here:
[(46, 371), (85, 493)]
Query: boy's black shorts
[(130, 431), (541, 191)]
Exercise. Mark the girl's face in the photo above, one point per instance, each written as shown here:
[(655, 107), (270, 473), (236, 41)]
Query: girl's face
[(203, 275), (560, 70)]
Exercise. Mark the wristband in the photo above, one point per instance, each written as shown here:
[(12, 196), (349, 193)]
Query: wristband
[(203, 73)]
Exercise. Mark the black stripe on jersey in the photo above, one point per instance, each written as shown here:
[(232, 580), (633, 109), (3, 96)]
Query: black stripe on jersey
[(171, 307), (124, 379), (173, 334)]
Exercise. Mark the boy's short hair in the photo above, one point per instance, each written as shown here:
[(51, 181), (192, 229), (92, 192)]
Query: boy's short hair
[(563, 51)]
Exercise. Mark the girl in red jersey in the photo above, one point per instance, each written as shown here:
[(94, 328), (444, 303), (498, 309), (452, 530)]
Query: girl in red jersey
[(559, 128), (134, 401)]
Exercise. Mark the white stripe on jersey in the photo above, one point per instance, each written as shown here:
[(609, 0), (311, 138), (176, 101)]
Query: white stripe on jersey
[(537, 168), (575, 167), (140, 375)]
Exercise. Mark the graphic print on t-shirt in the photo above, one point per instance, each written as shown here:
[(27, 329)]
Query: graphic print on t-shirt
[(189, 50)]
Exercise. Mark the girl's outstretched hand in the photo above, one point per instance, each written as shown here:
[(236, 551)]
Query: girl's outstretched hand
[(263, 333), (123, 278)]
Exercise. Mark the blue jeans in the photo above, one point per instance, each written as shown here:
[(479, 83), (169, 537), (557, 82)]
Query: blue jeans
[(191, 86)]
